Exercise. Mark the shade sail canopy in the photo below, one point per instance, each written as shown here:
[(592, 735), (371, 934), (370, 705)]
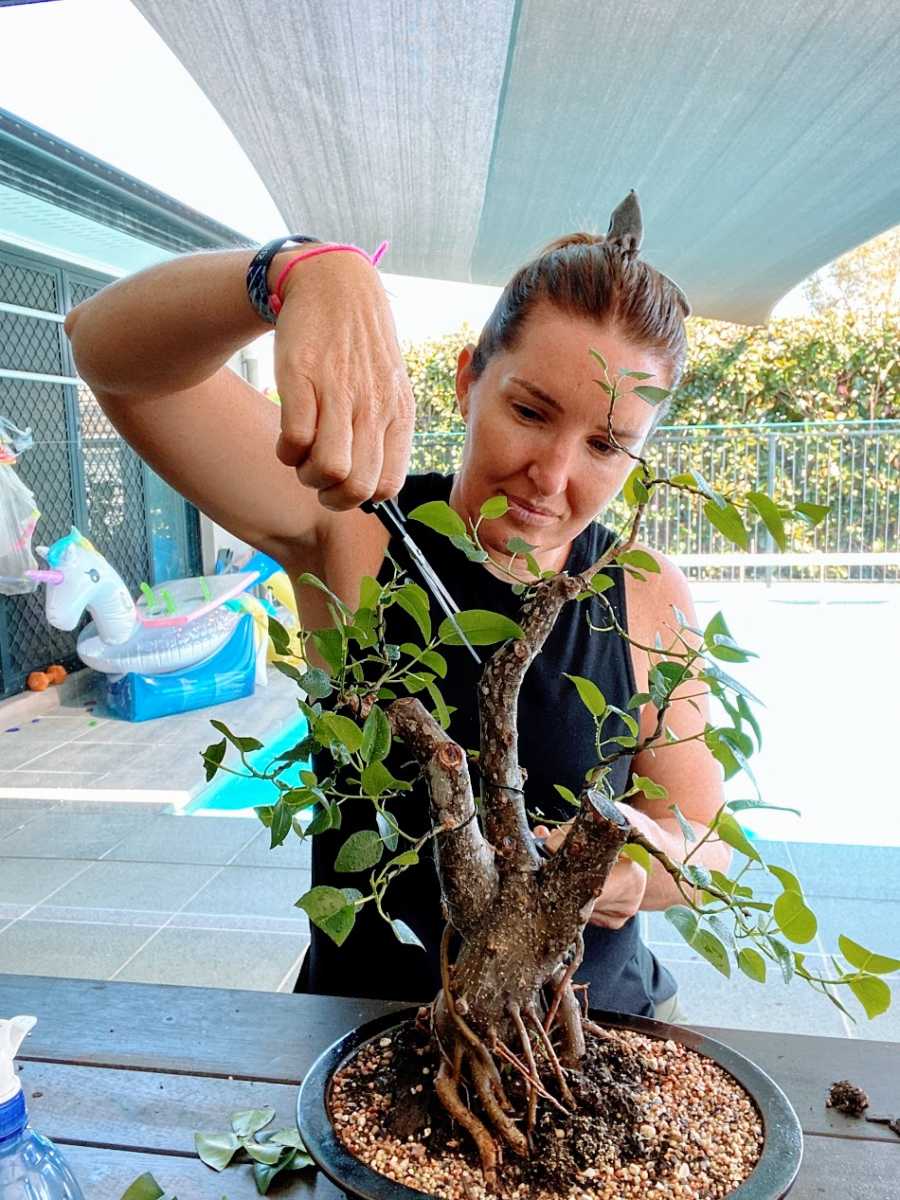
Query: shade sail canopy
[(762, 137)]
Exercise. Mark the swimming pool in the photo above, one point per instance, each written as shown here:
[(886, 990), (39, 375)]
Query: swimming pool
[(227, 793)]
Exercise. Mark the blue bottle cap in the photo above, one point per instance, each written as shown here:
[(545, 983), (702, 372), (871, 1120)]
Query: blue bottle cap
[(13, 1117)]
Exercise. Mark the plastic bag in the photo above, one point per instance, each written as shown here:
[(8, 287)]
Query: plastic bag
[(18, 516)]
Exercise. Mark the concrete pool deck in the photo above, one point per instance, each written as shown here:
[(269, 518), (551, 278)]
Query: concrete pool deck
[(102, 877)]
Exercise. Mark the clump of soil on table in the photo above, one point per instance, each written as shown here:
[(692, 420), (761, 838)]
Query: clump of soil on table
[(654, 1120)]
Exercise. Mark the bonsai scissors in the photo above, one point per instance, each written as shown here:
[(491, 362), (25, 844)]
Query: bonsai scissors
[(393, 519)]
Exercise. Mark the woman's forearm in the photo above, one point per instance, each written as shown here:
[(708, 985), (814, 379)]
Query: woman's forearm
[(169, 327)]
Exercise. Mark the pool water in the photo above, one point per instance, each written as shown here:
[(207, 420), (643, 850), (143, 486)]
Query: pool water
[(227, 793)]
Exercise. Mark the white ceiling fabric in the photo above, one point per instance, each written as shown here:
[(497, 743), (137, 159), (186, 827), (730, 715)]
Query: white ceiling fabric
[(762, 137)]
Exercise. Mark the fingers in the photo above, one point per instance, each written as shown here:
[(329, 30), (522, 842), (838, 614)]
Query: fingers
[(360, 483), (299, 416)]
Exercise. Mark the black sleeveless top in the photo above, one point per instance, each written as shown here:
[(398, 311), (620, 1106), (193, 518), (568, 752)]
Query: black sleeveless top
[(556, 745)]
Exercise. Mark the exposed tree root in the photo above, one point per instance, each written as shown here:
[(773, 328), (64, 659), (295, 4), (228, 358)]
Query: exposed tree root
[(447, 1091)]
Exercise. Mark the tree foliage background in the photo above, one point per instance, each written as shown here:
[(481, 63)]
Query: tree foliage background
[(840, 363)]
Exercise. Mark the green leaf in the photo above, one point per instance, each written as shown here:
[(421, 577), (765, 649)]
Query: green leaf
[(361, 851), (650, 788), (733, 835), (812, 514), (144, 1187), (414, 600), (370, 593), (694, 479), (634, 374), (771, 516), (752, 963), (635, 489), (437, 662), (347, 732), (288, 669), (795, 920), (640, 559), (728, 521), (688, 832), (638, 700), (720, 643), (567, 794), (441, 711), (404, 934), (591, 696), (328, 909), (376, 778), (328, 818), (251, 1120), (788, 881), (330, 644), (216, 1149), (517, 545), (495, 507), (653, 395), (263, 1152), (872, 993), (386, 830), (244, 744), (212, 758), (376, 736), (684, 919), (280, 825), (280, 637), (290, 1160), (307, 579), (784, 956), (482, 628), (639, 855), (315, 682), (742, 805), (289, 1136), (711, 948), (601, 583), (600, 359), (865, 960), (439, 516), (473, 552)]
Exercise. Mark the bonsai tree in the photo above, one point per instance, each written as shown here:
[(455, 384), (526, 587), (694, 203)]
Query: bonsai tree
[(508, 1005)]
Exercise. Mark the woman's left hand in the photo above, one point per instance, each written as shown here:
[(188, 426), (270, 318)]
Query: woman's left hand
[(626, 883)]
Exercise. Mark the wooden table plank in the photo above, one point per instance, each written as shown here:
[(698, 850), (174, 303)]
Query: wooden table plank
[(837, 1169), (275, 1037), (105, 1174), (142, 1110), (833, 1169), (257, 1035)]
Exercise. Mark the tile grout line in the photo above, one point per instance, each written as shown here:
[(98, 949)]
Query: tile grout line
[(182, 907), (166, 924), (293, 967), (848, 1032), (49, 896)]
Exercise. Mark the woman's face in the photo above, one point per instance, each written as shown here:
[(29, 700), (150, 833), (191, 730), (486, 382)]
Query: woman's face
[(537, 432)]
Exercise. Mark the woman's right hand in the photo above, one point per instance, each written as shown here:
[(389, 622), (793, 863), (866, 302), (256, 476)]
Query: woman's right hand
[(347, 409)]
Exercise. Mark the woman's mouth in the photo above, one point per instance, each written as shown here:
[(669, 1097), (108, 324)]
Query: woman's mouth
[(529, 514)]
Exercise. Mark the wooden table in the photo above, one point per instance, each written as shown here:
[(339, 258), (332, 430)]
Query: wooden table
[(122, 1074)]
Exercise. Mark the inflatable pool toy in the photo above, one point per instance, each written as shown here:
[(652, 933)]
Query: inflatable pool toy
[(180, 646)]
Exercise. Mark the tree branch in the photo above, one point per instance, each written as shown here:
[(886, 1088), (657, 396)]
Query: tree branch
[(465, 861)]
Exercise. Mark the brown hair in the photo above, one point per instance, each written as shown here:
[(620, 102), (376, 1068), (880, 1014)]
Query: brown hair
[(601, 278)]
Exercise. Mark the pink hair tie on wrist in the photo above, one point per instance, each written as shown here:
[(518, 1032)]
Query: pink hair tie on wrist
[(276, 300)]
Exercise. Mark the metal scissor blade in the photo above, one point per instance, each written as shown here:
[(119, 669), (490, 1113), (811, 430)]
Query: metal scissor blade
[(389, 513)]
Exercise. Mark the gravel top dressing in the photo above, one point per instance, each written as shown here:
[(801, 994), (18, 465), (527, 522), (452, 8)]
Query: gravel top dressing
[(653, 1120)]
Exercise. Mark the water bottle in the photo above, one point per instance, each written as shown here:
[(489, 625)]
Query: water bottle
[(31, 1167)]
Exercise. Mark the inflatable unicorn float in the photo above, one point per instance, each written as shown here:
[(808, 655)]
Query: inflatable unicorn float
[(183, 645)]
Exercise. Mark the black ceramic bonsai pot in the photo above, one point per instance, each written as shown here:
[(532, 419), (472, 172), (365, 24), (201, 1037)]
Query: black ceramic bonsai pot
[(771, 1179)]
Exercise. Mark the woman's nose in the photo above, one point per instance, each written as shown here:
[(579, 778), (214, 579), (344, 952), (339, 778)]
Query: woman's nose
[(550, 467)]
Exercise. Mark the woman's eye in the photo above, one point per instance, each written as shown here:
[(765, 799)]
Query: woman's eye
[(602, 448), (527, 414)]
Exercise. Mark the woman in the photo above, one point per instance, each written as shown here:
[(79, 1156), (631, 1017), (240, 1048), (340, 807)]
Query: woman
[(153, 348)]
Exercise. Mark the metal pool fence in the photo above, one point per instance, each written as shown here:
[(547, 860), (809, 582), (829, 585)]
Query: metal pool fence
[(852, 466)]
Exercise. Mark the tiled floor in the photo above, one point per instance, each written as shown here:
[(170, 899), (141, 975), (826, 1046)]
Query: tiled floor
[(131, 892), (76, 752), (116, 891)]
